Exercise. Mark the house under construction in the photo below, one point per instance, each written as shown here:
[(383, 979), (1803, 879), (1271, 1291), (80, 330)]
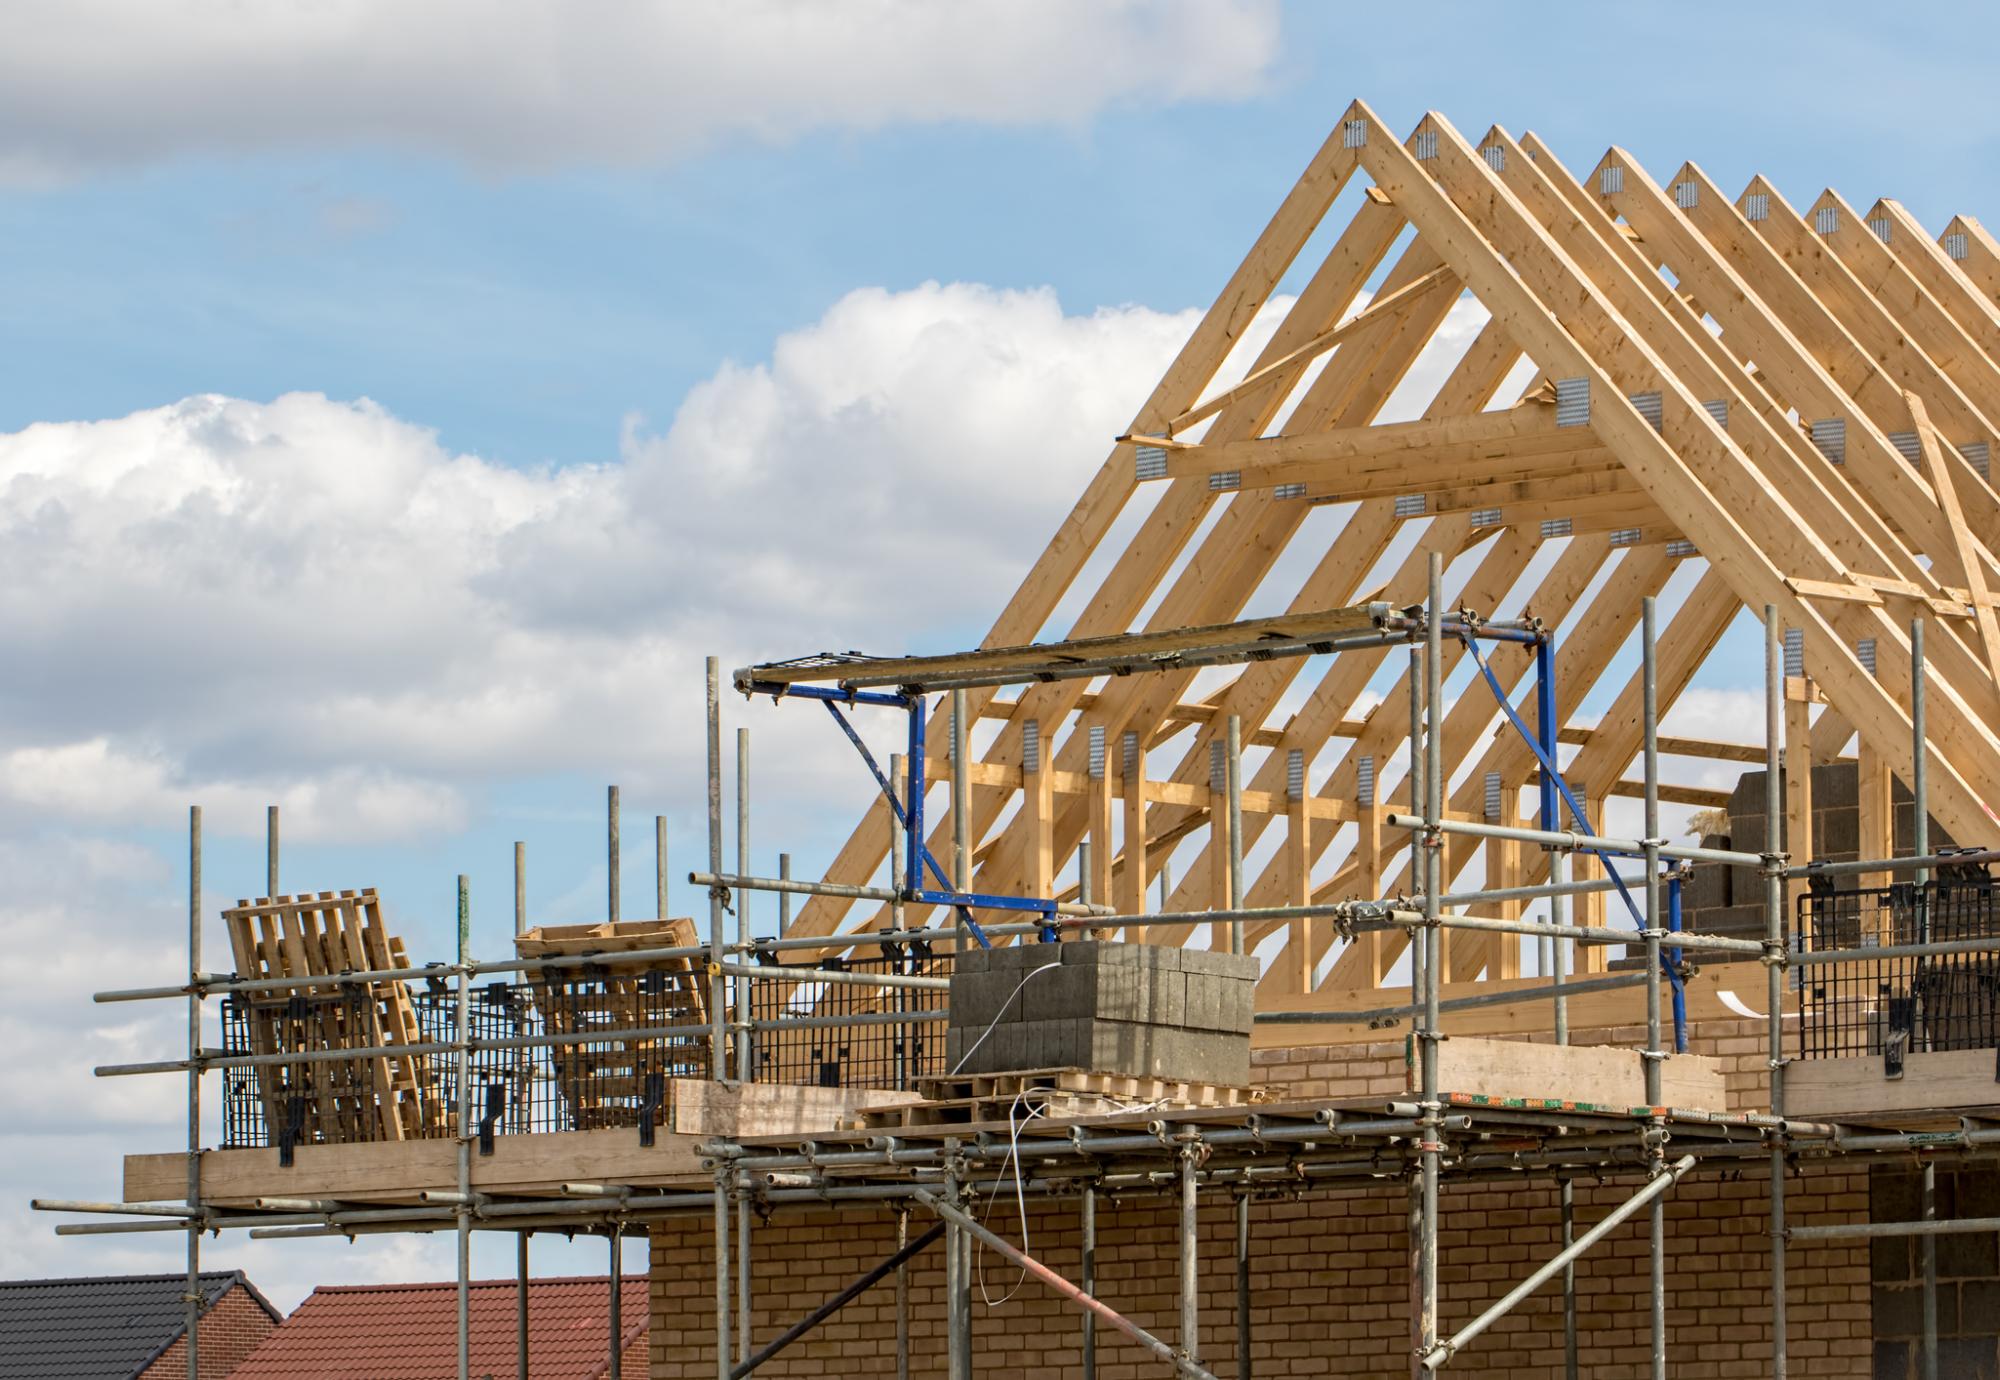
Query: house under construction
[(1216, 996)]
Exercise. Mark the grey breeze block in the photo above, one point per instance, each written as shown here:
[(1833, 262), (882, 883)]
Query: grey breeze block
[(1143, 1010)]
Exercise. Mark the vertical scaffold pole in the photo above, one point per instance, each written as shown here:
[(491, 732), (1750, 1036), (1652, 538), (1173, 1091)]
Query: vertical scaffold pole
[(745, 1069), (958, 1298), (1190, 1262), (784, 897), (718, 1002), (193, 1297), (896, 912), (660, 863), (271, 850), (1548, 720), (1774, 939), (1243, 1286), (914, 794), (1432, 939), (1235, 783), (1920, 837), (1087, 1280), (521, 1305), (463, 1082), (1649, 718), (611, 860), (1416, 946), (961, 809), (616, 1237), (521, 1240)]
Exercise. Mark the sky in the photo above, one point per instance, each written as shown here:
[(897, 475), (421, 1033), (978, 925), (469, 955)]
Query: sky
[(399, 401)]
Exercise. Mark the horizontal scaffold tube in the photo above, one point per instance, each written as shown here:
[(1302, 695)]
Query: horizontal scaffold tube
[(1960, 1227), (735, 882), (836, 977), (1573, 842), (1928, 860), (1388, 1013), (1864, 952), (1601, 934)]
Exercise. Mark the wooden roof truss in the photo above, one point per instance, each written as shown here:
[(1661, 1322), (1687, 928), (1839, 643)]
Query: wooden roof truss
[(1796, 408)]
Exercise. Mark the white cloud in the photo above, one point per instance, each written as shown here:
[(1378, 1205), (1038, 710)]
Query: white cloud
[(96, 782), (89, 83), (214, 599)]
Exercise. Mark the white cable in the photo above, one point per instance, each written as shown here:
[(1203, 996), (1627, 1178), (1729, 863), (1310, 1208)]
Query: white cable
[(1032, 973), (1020, 1198)]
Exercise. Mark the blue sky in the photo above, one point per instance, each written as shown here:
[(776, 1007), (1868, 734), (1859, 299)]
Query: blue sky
[(626, 353)]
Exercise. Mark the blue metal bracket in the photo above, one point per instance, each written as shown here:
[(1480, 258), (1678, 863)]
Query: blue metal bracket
[(1544, 746), (917, 852), (1674, 957)]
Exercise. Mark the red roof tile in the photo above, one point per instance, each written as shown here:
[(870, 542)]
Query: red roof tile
[(410, 1332)]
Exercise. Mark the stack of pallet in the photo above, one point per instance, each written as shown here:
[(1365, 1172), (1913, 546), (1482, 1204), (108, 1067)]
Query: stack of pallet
[(619, 1081), (381, 1096)]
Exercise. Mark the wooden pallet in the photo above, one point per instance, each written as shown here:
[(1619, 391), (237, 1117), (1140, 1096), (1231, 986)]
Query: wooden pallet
[(603, 1085), (1049, 1092), (381, 1097)]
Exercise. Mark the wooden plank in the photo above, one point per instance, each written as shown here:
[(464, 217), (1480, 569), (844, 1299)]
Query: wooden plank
[(381, 1171), (1599, 1074), (1962, 546), (1377, 308), (704, 1108), (1933, 1083)]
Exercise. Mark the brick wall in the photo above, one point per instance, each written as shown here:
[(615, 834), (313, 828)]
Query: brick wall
[(231, 1329), (1329, 1278)]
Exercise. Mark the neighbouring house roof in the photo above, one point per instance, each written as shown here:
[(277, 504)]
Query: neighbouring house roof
[(114, 1326), (410, 1332)]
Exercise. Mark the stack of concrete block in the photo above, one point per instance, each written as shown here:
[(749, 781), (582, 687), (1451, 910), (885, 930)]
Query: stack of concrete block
[(1143, 1010), (1718, 898)]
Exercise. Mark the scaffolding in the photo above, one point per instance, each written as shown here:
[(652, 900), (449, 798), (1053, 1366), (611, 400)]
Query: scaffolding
[(926, 1170)]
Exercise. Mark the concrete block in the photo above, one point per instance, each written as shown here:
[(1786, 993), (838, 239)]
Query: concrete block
[(1124, 992), (1835, 785), (1119, 1046), (1836, 832), (1204, 1003), (979, 998), (1743, 922), (955, 1041), (1103, 953), (1704, 885), (1747, 797), (1167, 997), (972, 960), (1239, 1002), (1019, 956), (1056, 1044), (1065, 991), (1201, 1056), (1223, 965)]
